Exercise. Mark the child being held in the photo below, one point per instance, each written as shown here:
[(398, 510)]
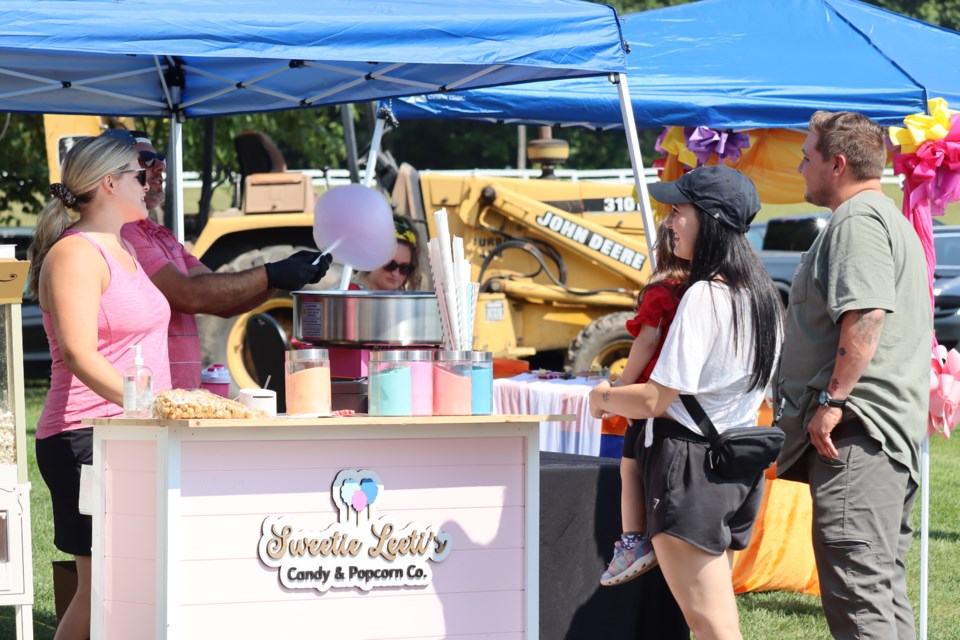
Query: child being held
[(657, 304)]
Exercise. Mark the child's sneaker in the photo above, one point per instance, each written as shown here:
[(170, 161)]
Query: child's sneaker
[(628, 564)]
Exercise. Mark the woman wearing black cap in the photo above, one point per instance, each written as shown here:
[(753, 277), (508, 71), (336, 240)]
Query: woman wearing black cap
[(720, 349)]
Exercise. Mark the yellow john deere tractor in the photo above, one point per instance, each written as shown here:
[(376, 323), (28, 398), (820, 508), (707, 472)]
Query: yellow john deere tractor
[(559, 262)]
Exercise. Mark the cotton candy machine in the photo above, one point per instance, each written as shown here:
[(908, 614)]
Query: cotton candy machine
[(351, 324)]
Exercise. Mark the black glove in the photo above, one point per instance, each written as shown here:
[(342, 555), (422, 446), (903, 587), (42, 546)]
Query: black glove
[(297, 271)]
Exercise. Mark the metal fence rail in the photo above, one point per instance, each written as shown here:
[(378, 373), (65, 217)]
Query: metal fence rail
[(335, 177)]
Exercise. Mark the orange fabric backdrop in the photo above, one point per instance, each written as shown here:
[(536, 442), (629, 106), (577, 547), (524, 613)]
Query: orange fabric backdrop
[(780, 554), (771, 161)]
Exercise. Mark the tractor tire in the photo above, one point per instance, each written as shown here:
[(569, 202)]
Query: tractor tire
[(221, 338), (605, 342)]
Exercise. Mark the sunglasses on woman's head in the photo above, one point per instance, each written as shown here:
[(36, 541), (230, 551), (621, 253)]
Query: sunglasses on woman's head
[(141, 175), (149, 158), (405, 269)]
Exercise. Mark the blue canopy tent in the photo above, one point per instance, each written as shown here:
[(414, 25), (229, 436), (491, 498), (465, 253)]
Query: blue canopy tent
[(192, 58), (736, 64), (739, 64)]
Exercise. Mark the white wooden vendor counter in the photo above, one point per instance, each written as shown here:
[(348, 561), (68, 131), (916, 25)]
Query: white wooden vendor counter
[(339, 528)]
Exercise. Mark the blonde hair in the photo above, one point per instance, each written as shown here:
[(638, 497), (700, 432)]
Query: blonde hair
[(407, 235), (84, 166), (855, 137)]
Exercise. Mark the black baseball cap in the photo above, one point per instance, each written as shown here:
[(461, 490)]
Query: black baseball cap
[(720, 191)]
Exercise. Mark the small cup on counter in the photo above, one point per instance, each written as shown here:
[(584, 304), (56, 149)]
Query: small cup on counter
[(307, 382), (452, 384), (263, 399)]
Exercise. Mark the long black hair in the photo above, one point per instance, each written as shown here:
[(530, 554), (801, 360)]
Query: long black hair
[(724, 254)]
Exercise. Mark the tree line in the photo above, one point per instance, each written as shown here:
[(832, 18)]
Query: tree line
[(315, 138)]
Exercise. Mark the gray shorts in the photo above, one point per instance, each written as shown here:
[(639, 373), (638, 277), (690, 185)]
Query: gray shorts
[(687, 500)]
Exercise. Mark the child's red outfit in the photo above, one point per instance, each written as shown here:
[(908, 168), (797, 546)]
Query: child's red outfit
[(657, 309), (633, 554)]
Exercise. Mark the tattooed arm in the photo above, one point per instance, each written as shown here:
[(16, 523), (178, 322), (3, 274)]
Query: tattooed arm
[(859, 335), (633, 401)]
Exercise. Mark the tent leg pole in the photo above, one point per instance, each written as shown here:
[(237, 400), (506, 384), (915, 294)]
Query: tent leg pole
[(368, 175), (924, 533), (636, 161), (175, 174), (371, 168)]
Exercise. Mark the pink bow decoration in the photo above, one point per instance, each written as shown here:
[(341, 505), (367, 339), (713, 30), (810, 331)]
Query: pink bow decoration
[(944, 391), (932, 173), (705, 142), (930, 165)]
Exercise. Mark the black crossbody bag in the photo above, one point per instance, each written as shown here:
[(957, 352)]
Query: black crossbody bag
[(740, 453)]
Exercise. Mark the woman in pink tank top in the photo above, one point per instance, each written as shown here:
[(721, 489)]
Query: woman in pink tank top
[(97, 303)]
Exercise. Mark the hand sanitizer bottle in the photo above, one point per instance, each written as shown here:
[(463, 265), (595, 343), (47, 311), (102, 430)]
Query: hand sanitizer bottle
[(137, 387)]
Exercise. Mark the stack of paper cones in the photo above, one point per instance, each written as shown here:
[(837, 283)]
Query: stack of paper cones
[(456, 294)]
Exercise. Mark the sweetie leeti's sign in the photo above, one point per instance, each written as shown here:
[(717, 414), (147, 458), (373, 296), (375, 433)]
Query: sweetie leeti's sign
[(363, 549)]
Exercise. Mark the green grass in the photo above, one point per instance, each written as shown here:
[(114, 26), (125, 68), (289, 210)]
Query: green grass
[(780, 615), (791, 616)]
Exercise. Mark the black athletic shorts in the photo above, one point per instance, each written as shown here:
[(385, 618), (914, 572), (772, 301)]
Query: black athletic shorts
[(631, 435), (687, 500), (59, 458)]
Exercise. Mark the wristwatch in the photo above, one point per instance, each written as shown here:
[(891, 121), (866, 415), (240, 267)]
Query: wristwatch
[(826, 400)]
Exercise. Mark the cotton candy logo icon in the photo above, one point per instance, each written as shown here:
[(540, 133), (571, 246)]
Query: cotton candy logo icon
[(370, 488), (355, 491), (944, 391), (349, 488), (359, 500)]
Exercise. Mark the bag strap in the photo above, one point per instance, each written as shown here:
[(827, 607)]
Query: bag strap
[(692, 405)]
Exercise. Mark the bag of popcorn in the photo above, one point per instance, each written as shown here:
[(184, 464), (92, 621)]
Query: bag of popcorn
[(199, 404)]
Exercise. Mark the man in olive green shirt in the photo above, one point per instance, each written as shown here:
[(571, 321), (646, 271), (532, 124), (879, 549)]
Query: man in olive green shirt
[(853, 385)]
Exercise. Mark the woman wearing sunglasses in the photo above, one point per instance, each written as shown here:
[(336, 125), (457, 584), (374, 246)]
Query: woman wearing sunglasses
[(97, 303), (402, 272)]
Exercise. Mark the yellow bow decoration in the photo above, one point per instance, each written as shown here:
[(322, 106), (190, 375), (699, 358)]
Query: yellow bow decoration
[(675, 144), (921, 127)]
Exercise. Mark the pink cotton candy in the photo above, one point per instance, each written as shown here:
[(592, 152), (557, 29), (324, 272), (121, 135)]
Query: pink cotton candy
[(359, 501)]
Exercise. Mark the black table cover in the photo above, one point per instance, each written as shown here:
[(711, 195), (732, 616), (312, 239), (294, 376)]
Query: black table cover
[(579, 522)]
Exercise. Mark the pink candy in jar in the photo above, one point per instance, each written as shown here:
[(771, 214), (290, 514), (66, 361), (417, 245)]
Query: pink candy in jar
[(452, 384)]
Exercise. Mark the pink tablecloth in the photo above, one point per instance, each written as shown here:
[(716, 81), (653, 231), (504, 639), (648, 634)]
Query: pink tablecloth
[(527, 394)]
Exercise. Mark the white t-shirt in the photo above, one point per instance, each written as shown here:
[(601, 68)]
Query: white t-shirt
[(698, 358)]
